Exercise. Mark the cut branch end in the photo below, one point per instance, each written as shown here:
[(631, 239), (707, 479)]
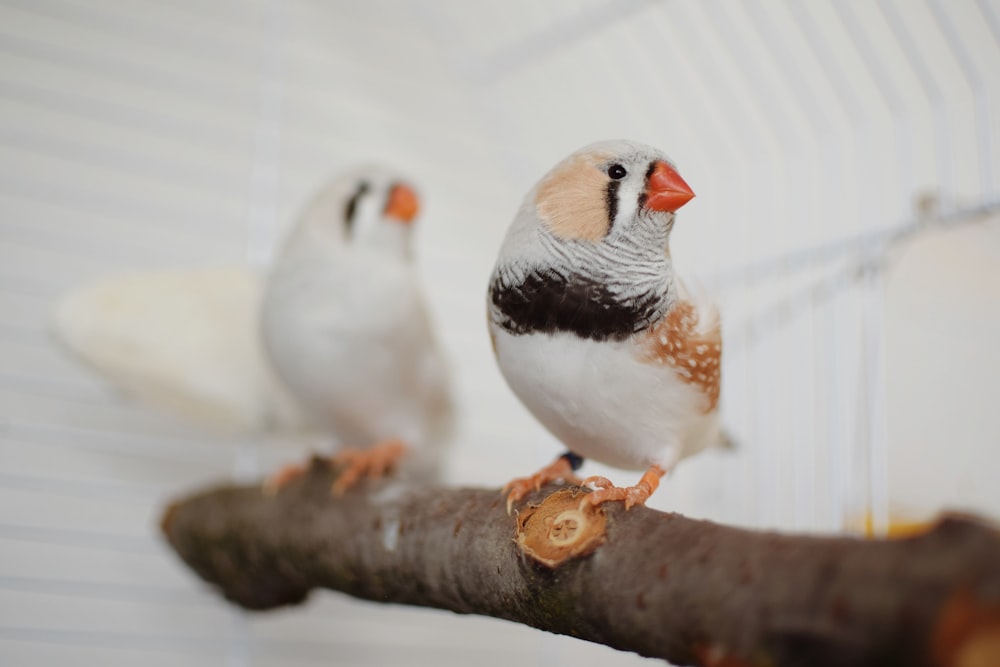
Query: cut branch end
[(560, 528)]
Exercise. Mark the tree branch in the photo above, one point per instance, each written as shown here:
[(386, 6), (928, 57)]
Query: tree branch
[(662, 585)]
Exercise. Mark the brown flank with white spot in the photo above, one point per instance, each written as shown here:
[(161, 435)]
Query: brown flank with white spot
[(571, 199), (694, 355)]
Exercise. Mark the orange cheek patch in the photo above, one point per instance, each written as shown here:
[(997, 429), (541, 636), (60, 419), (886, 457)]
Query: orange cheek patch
[(571, 199), (695, 356)]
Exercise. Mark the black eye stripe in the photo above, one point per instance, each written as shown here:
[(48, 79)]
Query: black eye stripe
[(352, 203)]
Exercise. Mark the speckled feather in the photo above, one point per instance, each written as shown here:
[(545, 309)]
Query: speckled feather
[(680, 340)]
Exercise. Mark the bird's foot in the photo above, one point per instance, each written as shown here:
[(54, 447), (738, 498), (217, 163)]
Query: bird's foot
[(375, 462), (606, 492), (561, 468), (285, 474)]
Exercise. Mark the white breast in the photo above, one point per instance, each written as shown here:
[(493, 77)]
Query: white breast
[(350, 337), (602, 402)]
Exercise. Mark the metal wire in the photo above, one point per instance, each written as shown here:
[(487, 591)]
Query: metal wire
[(974, 77), (932, 91)]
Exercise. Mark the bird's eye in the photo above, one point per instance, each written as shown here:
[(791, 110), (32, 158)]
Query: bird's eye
[(617, 172)]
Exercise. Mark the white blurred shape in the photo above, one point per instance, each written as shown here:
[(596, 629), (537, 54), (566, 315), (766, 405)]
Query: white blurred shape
[(943, 371), (183, 341)]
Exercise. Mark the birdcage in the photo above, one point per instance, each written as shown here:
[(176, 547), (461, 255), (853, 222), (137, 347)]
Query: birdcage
[(842, 153)]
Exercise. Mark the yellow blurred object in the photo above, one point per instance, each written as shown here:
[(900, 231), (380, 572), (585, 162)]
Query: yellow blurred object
[(899, 527)]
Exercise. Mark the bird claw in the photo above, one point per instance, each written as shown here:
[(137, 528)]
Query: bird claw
[(632, 495), (606, 492), (518, 488), (276, 482), (598, 482), (374, 462)]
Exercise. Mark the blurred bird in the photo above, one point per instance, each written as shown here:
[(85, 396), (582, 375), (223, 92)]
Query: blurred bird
[(335, 342), (594, 331), (345, 325)]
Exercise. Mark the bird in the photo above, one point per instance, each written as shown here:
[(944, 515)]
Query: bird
[(595, 332), (346, 327), (190, 341)]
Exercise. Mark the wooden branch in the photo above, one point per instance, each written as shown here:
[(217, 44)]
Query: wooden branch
[(662, 585)]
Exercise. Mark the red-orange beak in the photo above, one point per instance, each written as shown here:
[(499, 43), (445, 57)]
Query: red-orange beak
[(666, 190), (403, 204)]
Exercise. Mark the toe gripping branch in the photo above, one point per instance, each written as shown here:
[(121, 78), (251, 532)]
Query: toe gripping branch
[(560, 469)]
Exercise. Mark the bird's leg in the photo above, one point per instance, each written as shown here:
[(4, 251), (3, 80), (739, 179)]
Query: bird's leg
[(632, 495), (562, 468), (285, 474), (374, 461)]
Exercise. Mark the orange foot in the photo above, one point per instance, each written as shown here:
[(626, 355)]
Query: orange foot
[(375, 462), (632, 495), (520, 487), (285, 474)]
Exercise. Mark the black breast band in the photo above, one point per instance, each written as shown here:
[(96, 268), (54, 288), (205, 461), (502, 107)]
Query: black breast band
[(547, 301)]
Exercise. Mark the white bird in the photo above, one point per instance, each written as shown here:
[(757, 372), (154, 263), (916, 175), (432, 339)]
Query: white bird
[(345, 325), (595, 332)]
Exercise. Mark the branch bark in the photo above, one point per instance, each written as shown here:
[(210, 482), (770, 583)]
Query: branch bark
[(661, 585)]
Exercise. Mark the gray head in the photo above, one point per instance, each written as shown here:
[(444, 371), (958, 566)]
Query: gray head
[(587, 251)]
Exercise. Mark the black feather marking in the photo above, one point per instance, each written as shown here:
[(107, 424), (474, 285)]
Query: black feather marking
[(352, 204), (642, 195), (574, 460), (547, 301), (611, 199)]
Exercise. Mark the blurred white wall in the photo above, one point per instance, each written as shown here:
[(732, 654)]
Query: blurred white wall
[(141, 134)]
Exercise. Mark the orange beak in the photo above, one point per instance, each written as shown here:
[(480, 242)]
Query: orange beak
[(403, 204), (666, 190)]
